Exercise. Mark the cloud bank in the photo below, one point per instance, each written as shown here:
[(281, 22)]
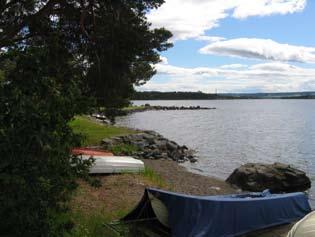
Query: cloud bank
[(265, 49), (267, 77), (192, 18)]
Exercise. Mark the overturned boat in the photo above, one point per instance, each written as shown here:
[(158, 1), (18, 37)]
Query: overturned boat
[(305, 227), (106, 163), (218, 216), (115, 164), (90, 151)]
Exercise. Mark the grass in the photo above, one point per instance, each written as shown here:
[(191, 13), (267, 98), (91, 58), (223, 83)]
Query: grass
[(134, 107), (124, 149), (94, 225), (153, 177), (94, 132)]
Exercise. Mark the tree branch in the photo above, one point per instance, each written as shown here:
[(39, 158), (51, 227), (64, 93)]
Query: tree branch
[(6, 38)]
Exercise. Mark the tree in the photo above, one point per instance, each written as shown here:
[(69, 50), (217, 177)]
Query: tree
[(112, 39), (53, 54), (123, 52)]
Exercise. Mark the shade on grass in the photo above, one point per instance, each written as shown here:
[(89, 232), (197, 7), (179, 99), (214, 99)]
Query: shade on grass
[(94, 132)]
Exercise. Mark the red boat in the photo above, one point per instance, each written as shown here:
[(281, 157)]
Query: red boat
[(90, 152)]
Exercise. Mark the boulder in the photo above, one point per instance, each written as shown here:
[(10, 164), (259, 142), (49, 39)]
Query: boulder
[(277, 177)]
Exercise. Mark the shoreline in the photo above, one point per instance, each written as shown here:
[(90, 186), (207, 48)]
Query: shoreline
[(120, 193), (181, 180)]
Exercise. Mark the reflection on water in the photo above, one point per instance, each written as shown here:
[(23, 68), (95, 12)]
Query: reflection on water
[(237, 132)]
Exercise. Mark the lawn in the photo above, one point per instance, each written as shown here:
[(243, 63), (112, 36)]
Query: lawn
[(94, 132)]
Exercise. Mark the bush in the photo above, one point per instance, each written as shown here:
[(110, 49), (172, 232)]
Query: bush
[(38, 98)]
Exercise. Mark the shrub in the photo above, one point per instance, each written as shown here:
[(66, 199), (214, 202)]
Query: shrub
[(38, 98)]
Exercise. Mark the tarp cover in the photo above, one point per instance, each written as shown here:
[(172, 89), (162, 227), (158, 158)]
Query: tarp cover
[(218, 216)]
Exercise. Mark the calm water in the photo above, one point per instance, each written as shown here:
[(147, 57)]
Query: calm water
[(237, 132)]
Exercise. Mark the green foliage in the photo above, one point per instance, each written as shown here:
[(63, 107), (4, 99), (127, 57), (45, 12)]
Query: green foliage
[(51, 53), (94, 132), (124, 149), (112, 40), (37, 172), (134, 49)]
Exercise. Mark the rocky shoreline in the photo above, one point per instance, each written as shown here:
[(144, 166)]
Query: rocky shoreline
[(148, 107), (255, 177), (153, 146)]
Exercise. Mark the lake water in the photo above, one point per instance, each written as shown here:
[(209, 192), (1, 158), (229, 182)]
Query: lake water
[(237, 132)]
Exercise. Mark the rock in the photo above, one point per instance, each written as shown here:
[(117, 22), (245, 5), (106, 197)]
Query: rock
[(107, 143), (277, 177), (148, 107), (171, 146), (139, 144), (151, 145), (193, 159), (184, 147)]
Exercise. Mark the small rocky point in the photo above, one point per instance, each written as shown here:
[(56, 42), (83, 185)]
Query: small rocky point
[(276, 177), (152, 145)]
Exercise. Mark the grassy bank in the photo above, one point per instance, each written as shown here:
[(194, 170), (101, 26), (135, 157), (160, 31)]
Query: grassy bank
[(94, 132), (92, 207)]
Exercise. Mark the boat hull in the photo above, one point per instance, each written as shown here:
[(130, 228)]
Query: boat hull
[(115, 164)]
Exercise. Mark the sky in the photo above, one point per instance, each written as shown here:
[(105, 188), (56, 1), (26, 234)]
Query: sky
[(246, 46)]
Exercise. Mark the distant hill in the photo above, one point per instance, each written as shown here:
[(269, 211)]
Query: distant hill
[(157, 95)]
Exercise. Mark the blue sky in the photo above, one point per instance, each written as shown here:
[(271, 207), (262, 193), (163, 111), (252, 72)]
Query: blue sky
[(236, 46)]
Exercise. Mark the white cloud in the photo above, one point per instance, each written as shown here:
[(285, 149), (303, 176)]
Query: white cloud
[(210, 39), (163, 60), (192, 18), (261, 49), (268, 77), (234, 66), (275, 66), (267, 7)]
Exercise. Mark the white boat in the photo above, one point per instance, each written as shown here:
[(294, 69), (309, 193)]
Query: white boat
[(305, 227), (115, 164)]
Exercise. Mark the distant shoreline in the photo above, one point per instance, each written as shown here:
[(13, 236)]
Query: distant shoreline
[(289, 98), (157, 95)]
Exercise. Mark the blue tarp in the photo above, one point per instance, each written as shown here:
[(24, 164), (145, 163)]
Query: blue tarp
[(223, 216)]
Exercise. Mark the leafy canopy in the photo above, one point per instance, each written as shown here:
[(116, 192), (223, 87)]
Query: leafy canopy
[(111, 39)]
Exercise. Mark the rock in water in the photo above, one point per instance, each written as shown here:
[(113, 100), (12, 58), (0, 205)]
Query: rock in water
[(277, 177)]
